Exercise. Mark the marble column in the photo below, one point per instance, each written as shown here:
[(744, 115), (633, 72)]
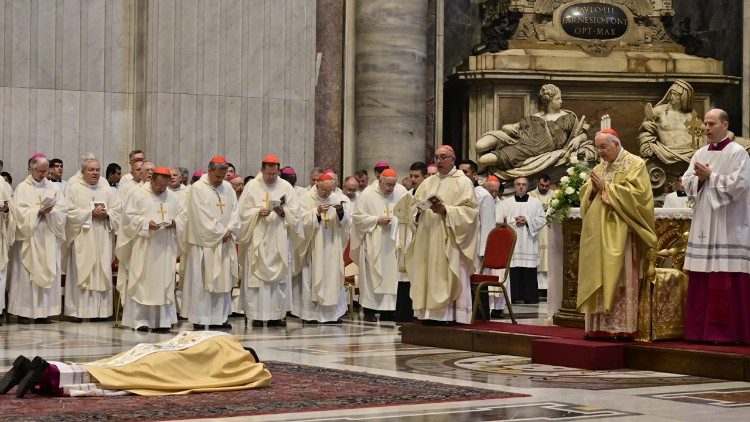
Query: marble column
[(329, 91), (391, 51)]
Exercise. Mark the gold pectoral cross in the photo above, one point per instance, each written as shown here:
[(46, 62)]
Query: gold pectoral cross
[(388, 211), (39, 204), (324, 217), (268, 200), (221, 205), (162, 211)]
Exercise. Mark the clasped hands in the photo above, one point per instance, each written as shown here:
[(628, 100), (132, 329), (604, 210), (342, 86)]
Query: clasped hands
[(99, 212), (703, 171), (152, 225)]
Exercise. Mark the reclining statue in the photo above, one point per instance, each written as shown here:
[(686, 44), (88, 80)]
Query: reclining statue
[(551, 137)]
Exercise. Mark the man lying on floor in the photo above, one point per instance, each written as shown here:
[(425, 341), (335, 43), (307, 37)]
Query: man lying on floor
[(191, 362)]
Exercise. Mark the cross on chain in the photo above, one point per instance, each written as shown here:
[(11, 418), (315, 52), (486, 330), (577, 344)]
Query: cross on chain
[(162, 211), (40, 202), (387, 211), (221, 205), (268, 200)]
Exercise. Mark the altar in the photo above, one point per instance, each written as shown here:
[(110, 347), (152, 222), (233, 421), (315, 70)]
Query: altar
[(563, 259)]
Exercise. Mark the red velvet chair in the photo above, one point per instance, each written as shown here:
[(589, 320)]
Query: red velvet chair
[(497, 255)]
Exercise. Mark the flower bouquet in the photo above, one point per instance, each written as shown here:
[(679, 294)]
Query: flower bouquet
[(567, 194)]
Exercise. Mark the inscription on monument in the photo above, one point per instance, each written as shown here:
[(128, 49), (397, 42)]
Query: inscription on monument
[(594, 21)]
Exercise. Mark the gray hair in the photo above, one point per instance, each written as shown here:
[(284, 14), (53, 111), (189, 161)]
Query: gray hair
[(88, 158), (609, 137), (36, 161), (184, 173), (217, 166)]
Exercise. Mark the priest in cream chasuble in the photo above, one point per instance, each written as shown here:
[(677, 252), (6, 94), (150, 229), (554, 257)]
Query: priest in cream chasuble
[(268, 210), (93, 218), (147, 248), (440, 260), (212, 224), (326, 225), (38, 211), (375, 234), (617, 206)]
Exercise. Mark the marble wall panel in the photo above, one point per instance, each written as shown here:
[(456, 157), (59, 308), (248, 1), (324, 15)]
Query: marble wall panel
[(181, 79), (45, 45)]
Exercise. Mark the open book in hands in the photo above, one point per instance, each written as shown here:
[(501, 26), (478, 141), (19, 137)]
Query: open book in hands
[(163, 225), (48, 202), (275, 203), (429, 202)]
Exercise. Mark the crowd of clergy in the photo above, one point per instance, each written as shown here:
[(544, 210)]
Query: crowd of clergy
[(163, 246)]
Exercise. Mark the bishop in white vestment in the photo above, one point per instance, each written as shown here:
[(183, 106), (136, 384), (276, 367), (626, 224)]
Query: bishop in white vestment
[(525, 214), (212, 223), (93, 218), (38, 212), (269, 225), (374, 241), (147, 247), (325, 224)]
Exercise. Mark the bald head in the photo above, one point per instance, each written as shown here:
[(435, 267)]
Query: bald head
[(716, 125)]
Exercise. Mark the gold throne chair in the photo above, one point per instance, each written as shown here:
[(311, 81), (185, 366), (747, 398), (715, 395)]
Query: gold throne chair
[(663, 292)]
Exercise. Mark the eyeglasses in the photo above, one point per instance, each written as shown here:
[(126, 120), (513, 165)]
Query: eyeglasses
[(442, 157)]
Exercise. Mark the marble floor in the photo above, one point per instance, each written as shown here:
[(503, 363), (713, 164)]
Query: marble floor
[(554, 393)]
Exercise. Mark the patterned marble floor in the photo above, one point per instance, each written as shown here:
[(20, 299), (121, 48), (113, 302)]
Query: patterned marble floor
[(555, 393)]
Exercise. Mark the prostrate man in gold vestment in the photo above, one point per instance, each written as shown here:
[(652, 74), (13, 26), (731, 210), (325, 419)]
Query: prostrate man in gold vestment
[(269, 227), (191, 362), (321, 293), (147, 248), (375, 233), (212, 224), (93, 218), (38, 212), (617, 206), (440, 260)]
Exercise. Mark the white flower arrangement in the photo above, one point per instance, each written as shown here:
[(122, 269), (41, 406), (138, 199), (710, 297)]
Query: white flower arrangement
[(567, 196)]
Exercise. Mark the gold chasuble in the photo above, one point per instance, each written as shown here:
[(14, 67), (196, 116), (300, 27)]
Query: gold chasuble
[(440, 259), (191, 362), (615, 222)]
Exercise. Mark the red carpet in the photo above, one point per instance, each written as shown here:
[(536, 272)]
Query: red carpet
[(533, 330), (294, 388)]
